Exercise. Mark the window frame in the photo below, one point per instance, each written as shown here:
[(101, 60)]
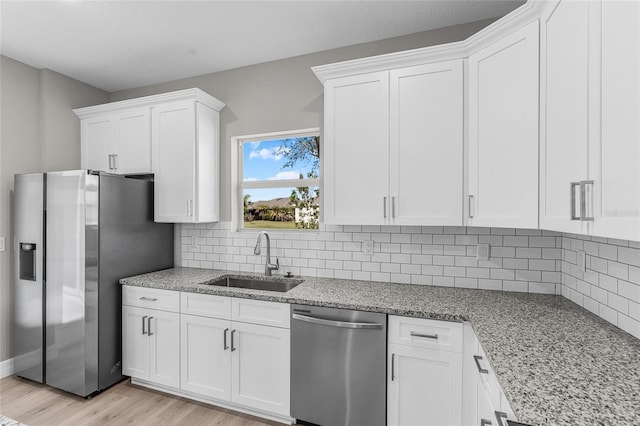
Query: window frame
[(239, 185)]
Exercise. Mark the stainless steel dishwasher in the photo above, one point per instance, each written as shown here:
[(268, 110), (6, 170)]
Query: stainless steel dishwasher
[(338, 366)]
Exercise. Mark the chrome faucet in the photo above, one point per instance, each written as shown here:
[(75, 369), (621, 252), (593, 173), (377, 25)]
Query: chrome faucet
[(268, 267)]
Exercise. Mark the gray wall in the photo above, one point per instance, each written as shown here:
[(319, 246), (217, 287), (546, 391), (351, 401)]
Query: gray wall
[(39, 132), (284, 94)]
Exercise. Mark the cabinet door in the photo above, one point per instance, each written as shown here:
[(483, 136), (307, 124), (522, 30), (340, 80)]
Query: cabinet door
[(426, 140), (133, 142), (98, 136), (260, 367), (503, 132), (564, 114), (173, 149), (206, 356), (135, 344), (424, 387), (356, 150), (164, 341), (615, 163)]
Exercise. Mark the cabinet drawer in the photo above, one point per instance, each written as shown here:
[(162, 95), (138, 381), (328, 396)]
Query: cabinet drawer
[(164, 300), (260, 312), (425, 333), (205, 305)]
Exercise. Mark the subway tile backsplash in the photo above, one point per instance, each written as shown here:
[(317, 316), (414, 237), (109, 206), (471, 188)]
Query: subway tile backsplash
[(521, 260), (609, 283)]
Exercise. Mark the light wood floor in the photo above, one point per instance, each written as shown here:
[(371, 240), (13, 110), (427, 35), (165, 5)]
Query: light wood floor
[(123, 404)]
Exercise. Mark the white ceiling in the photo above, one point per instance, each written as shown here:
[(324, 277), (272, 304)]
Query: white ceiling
[(117, 45)]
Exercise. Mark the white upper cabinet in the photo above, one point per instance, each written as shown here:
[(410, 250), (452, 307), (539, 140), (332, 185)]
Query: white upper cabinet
[(356, 150), (393, 147), (564, 120), (426, 141), (174, 135), (590, 109), (503, 132), (117, 142), (614, 166)]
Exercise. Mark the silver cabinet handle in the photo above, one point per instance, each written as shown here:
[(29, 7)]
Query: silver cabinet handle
[(426, 336), (393, 207), (583, 200), (149, 325), (393, 367), (499, 416), (143, 330), (110, 161), (477, 359), (189, 207), (572, 188), (485, 422), (115, 161), (384, 206), (148, 299), (224, 345), (340, 324), (471, 207), (232, 347)]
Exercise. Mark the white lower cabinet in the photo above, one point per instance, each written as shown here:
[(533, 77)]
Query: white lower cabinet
[(260, 367), (230, 356), (484, 403), (424, 385), (150, 345), (206, 363)]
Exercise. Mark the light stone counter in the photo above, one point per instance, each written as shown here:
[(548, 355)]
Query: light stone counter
[(557, 363)]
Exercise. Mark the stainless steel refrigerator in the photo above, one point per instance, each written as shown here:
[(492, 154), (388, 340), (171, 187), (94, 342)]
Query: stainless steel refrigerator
[(76, 233)]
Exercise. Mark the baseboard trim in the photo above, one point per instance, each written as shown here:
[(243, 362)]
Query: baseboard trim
[(6, 368)]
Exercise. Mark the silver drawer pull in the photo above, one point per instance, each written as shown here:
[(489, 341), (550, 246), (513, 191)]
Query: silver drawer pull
[(499, 416), (485, 422), (477, 359), (149, 299), (426, 336), (340, 324)]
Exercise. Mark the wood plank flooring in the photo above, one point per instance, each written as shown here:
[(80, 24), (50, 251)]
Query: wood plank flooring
[(123, 404)]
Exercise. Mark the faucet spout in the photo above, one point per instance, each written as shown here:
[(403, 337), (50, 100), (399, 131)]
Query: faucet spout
[(268, 267)]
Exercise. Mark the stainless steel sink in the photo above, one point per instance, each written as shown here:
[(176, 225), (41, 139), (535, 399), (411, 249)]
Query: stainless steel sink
[(270, 284)]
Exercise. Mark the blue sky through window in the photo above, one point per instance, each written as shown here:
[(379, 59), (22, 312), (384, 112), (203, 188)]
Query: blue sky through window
[(263, 160)]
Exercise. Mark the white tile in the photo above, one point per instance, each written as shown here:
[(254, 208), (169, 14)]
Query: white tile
[(384, 277), (520, 241), (607, 251), (371, 266), (502, 274), (453, 271), (352, 228), (333, 264), (465, 282), (547, 242), (551, 253), (411, 248), (421, 279), (343, 236), (390, 267), (421, 239), (618, 303), (361, 275), (422, 259), (444, 239), (608, 314), (529, 253), (455, 250), (370, 228), (492, 240), (488, 284), (410, 269), (634, 274), (466, 239), (591, 305), (361, 236), (432, 249), (542, 288), (532, 232), (630, 256), (608, 283), (443, 260), (629, 325), (528, 275), (342, 255), (519, 286), (515, 263), (400, 258), (410, 229), (584, 287), (634, 310), (503, 231), (478, 273), (618, 270), (497, 251), (465, 261), (455, 230), (591, 248), (401, 278), (599, 294), (629, 290), (401, 238), (443, 281), (599, 265), (390, 248), (433, 229), (432, 270), (542, 265), (551, 277), (343, 275)]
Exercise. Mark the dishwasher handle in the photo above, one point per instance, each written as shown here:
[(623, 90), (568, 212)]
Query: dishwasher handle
[(340, 324)]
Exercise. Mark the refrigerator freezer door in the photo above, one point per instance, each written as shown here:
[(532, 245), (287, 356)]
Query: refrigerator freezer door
[(28, 332), (71, 286)]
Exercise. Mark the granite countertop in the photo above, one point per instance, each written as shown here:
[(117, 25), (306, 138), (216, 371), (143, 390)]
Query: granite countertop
[(557, 363)]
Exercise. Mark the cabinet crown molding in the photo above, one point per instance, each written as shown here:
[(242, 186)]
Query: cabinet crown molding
[(525, 14), (195, 94)]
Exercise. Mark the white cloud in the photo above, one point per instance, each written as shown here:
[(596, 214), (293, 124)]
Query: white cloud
[(294, 174), (275, 154)]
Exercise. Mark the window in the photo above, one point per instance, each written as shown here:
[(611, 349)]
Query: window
[(278, 180)]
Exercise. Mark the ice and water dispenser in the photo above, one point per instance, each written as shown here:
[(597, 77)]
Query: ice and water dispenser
[(28, 261)]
